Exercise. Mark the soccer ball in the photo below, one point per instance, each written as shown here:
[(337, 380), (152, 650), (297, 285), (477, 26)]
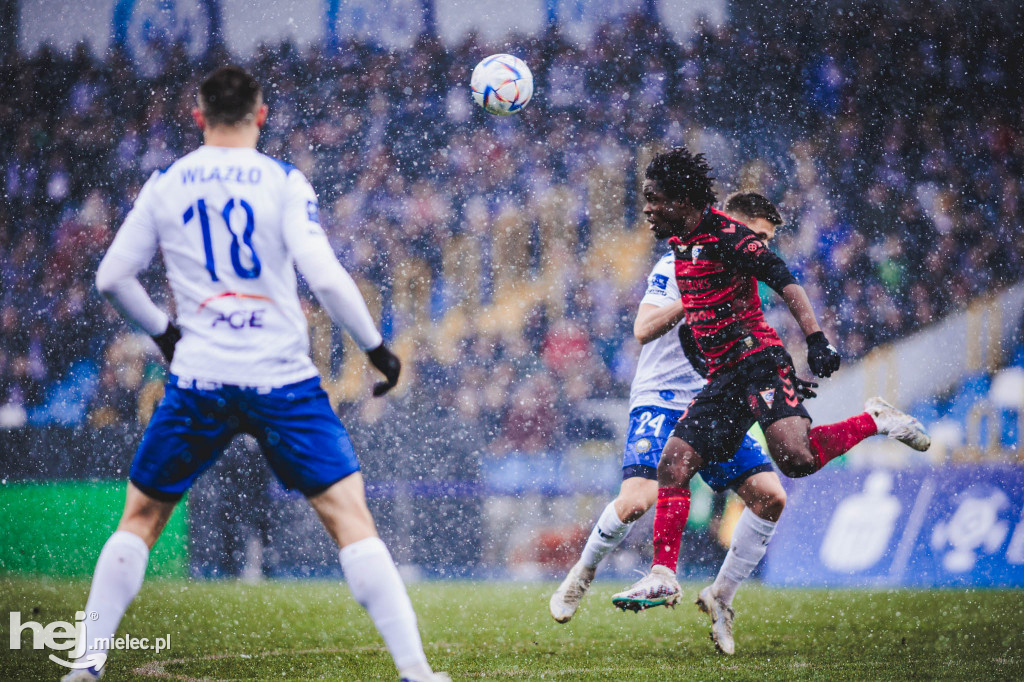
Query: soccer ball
[(502, 84)]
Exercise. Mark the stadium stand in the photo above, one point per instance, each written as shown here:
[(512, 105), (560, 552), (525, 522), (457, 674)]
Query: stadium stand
[(506, 260)]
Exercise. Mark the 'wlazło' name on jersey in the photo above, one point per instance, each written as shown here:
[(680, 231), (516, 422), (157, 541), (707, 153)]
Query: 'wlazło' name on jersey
[(245, 176)]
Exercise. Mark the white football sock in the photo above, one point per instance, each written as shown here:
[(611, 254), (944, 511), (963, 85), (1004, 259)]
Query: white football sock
[(118, 577), (373, 578), (608, 533), (749, 543)]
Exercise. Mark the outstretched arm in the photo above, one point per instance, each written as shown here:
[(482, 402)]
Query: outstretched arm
[(822, 356), (117, 279), (117, 276), (798, 303), (750, 255), (654, 321), (339, 295), (330, 282), (341, 298), (307, 243)]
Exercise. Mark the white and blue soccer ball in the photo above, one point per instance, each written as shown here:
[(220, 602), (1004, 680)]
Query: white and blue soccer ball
[(502, 84)]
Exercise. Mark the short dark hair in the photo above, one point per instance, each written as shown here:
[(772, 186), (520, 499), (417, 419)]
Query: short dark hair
[(682, 175), (228, 95), (752, 205)]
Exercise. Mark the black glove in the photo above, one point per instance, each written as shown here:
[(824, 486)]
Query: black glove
[(822, 356), (166, 341), (388, 364), (804, 388)]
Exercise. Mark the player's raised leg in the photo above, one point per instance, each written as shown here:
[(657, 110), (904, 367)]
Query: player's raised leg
[(765, 499), (800, 450), (119, 572), (372, 575), (635, 497), (679, 462), (897, 424)]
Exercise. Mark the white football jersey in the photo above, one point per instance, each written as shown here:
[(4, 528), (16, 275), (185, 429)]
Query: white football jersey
[(664, 377), (229, 221)]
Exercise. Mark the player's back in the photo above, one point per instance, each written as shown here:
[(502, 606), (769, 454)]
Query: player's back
[(716, 270), (221, 217)]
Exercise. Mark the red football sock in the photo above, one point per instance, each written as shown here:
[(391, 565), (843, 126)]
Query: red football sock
[(831, 440), (669, 520)]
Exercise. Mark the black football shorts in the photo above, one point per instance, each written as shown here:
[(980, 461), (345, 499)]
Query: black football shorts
[(758, 389)]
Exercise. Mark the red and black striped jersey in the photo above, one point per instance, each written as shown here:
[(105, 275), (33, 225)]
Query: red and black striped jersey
[(717, 268)]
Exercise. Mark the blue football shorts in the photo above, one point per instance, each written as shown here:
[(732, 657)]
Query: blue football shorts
[(302, 438), (651, 427)]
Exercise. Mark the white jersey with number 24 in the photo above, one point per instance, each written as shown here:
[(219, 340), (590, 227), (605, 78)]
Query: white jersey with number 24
[(664, 377)]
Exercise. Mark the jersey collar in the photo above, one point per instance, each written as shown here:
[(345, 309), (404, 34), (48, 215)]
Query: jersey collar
[(701, 227), (703, 223)]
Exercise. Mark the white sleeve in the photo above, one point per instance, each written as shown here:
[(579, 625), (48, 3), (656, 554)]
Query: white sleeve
[(330, 283), (132, 250), (662, 287)]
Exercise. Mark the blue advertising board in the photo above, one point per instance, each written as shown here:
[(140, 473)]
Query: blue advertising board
[(952, 526)]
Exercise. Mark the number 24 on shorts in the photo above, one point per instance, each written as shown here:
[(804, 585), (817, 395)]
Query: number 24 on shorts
[(649, 422)]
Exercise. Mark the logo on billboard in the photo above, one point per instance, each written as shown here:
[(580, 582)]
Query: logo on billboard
[(862, 527), (973, 528)]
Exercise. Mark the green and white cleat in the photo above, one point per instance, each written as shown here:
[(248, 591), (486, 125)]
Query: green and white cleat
[(567, 597), (657, 588), (721, 620), (897, 424)]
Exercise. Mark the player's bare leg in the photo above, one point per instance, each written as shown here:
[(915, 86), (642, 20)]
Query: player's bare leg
[(800, 450), (343, 511), (679, 462), (765, 499), (119, 572), (790, 446), (145, 516), (763, 495), (636, 496), (372, 576)]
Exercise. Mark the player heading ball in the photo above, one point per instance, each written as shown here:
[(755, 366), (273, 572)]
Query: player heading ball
[(718, 262)]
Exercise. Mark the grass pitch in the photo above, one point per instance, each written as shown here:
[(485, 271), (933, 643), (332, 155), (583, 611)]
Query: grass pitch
[(315, 630)]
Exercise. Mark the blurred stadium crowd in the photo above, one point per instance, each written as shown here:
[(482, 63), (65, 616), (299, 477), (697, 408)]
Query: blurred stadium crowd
[(506, 257)]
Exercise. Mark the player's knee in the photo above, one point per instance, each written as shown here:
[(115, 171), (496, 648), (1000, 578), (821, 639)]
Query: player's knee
[(671, 469), (797, 462), (773, 505), (678, 463), (631, 508), (148, 527), (798, 468)]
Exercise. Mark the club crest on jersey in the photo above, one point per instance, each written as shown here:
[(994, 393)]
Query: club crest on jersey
[(313, 211), (768, 396), (695, 253)]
